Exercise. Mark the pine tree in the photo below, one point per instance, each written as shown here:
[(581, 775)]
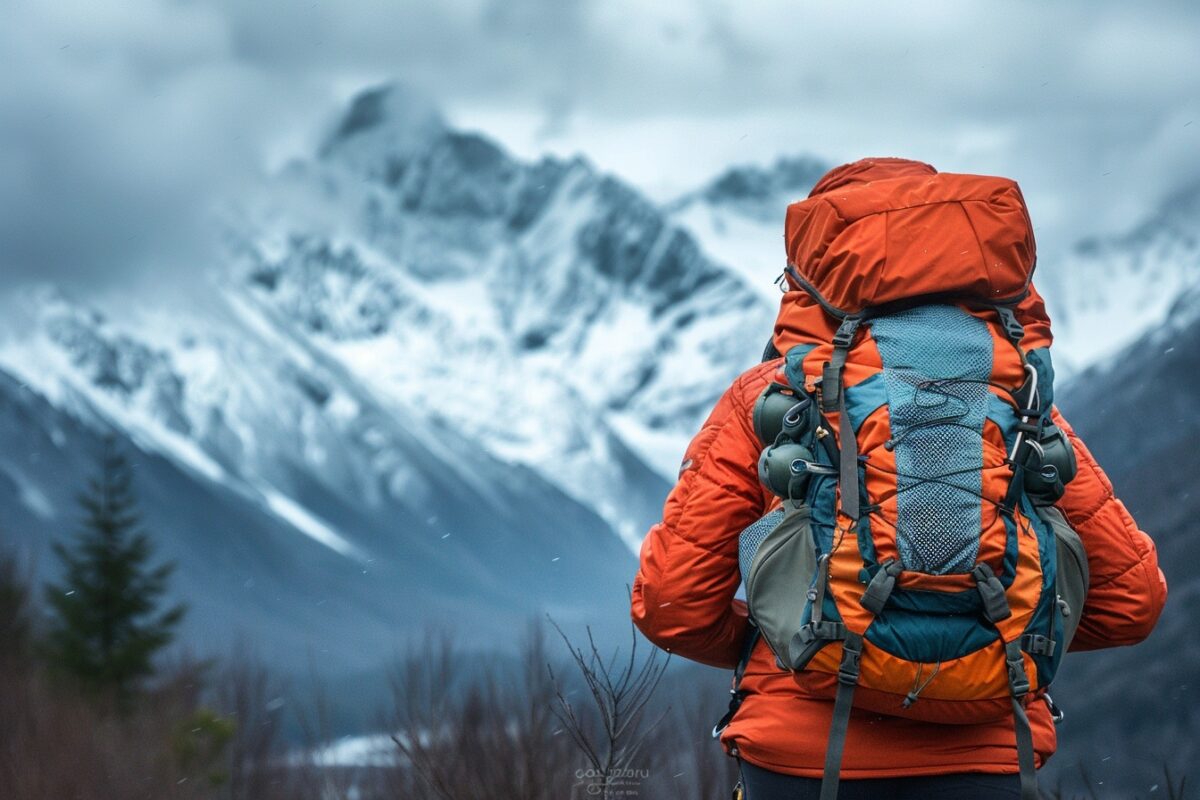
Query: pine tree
[(108, 622)]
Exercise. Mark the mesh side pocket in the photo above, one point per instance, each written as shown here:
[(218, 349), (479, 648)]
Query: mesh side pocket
[(752, 538)]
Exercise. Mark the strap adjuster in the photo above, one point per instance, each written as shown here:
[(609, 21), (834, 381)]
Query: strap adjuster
[(851, 664), (1012, 327), (1038, 645), (830, 631), (1018, 681), (845, 332)]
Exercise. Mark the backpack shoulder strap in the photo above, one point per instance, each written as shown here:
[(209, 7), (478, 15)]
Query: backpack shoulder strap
[(833, 398)]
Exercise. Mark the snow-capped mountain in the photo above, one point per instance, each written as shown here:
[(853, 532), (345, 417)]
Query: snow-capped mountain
[(738, 216), (1112, 290), (1137, 413), (546, 311), (305, 515), (430, 382)]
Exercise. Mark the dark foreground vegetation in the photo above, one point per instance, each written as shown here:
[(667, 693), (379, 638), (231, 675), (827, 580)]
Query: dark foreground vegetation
[(563, 723)]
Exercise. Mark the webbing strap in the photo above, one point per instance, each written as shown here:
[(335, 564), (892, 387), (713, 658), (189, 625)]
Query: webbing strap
[(817, 594), (1025, 758), (843, 702), (833, 398), (1016, 483), (837, 741), (831, 375), (1018, 684), (848, 461)]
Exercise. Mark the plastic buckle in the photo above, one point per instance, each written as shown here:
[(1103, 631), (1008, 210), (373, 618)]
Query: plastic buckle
[(1018, 681), (850, 666), (1012, 327), (845, 332)]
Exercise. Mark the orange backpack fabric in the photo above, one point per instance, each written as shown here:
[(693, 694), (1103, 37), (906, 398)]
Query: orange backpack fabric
[(846, 238)]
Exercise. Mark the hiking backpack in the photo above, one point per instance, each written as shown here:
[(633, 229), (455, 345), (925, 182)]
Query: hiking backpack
[(915, 565)]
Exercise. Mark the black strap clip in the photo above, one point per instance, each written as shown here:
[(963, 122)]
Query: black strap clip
[(1018, 681), (735, 701), (1038, 645), (1056, 712), (851, 664), (1013, 329), (845, 332)]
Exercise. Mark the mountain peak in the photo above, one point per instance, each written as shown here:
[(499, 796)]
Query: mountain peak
[(758, 192), (391, 119)]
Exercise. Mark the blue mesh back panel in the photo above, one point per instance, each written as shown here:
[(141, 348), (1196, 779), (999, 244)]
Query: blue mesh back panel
[(752, 538), (938, 428)]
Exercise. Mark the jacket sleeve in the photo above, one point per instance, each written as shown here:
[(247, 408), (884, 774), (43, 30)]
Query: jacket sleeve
[(1127, 589), (683, 596)]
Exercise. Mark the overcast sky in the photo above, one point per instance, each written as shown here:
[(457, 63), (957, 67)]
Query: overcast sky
[(122, 123)]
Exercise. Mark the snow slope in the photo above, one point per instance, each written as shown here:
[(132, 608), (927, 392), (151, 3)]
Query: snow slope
[(428, 383), (1112, 290), (738, 216)]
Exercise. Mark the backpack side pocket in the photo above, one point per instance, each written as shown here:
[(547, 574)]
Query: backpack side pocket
[(1072, 571), (778, 573)]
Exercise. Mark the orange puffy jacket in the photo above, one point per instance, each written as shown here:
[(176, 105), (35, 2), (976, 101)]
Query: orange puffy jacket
[(683, 596)]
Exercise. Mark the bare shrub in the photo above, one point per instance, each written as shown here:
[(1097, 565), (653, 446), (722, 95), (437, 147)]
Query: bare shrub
[(612, 731), (474, 733)]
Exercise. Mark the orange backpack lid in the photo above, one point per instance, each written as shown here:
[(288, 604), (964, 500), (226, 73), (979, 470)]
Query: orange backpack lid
[(883, 230), (888, 231)]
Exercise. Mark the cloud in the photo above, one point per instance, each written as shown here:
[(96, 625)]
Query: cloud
[(125, 123)]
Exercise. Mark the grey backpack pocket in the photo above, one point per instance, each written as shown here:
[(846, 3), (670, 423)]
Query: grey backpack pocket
[(778, 561), (1073, 576)]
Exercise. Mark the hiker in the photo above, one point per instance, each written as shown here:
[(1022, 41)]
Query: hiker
[(919, 533)]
